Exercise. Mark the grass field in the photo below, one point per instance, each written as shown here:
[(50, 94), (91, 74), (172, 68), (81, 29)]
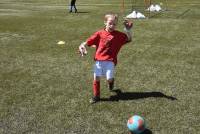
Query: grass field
[(45, 88)]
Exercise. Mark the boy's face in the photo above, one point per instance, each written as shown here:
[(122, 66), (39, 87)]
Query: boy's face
[(110, 24)]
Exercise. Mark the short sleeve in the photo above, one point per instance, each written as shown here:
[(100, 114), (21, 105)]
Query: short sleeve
[(123, 38), (93, 39)]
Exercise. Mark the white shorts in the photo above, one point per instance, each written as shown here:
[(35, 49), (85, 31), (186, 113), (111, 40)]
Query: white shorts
[(104, 68)]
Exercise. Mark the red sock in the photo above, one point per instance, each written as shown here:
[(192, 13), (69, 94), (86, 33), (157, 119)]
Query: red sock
[(96, 88)]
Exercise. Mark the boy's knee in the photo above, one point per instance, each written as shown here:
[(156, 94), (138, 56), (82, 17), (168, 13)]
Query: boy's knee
[(97, 78), (110, 80)]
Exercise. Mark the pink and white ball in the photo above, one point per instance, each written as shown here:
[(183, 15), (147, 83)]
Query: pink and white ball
[(136, 124)]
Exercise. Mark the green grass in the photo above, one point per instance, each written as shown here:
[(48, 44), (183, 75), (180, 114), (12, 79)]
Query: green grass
[(45, 87)]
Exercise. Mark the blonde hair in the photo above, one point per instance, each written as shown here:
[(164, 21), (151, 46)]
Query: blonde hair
[(110, 15)]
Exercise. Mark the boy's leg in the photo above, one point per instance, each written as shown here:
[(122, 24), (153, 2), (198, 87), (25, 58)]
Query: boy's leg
[(96, 82), (72, 5), (96, 90), (111, 84), (110, 74), (75, 8), (70, 9), (96, 87)]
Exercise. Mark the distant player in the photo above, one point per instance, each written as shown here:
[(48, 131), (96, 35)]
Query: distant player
[(108, 43), (73, 6)]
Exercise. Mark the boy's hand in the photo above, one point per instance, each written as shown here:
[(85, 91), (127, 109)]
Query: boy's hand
[(127, 28), (82, 49), (128, 24)]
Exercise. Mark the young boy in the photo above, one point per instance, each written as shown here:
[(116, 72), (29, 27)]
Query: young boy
[(108, 43)]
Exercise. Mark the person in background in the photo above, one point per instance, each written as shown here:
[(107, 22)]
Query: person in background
[(73, 6)]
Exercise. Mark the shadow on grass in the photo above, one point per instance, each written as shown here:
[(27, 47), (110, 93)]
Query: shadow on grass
[(147, 131), (82, 12), (135, 95)]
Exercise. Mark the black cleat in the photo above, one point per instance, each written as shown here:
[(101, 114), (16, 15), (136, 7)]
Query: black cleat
[(111, 85), (94, 99)]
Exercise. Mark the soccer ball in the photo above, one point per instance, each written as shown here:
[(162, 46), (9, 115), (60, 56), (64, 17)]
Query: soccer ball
[(136, 124)]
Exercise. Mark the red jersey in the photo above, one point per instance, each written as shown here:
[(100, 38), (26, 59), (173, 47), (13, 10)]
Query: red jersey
[(107, 44)]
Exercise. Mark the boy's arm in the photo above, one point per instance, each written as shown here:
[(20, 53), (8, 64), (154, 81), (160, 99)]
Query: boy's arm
[(127, 29), (91, 42), (82, 48)]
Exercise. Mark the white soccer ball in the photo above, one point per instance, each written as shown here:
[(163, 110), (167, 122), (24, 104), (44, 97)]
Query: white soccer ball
[(136, 124)]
